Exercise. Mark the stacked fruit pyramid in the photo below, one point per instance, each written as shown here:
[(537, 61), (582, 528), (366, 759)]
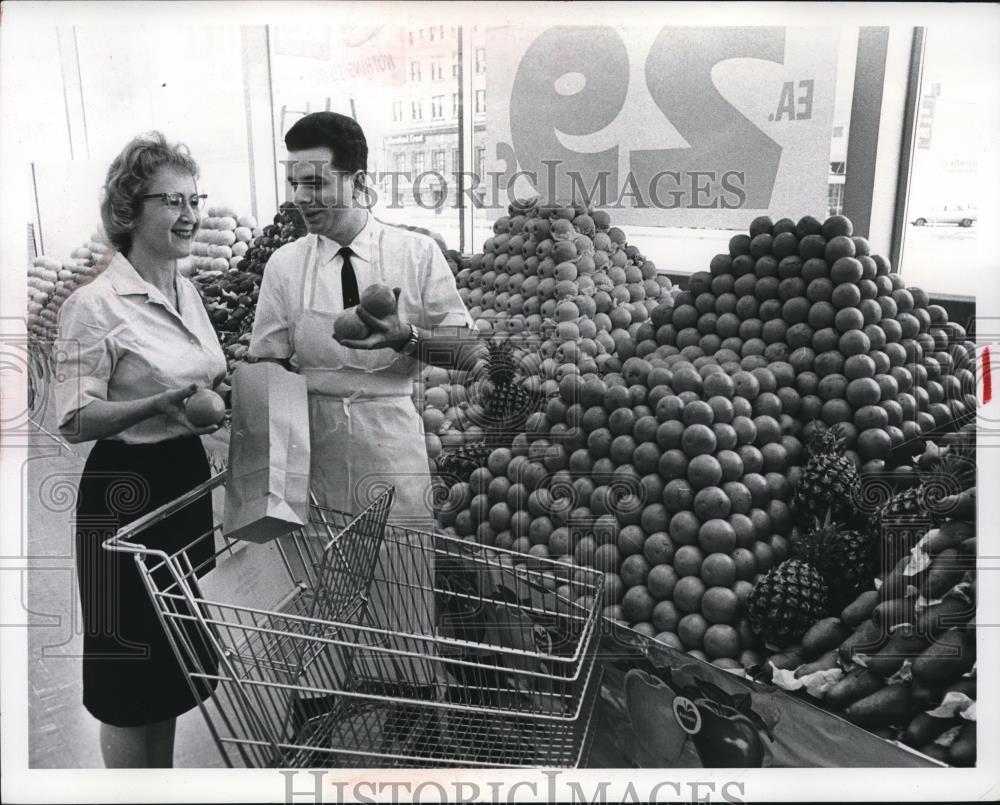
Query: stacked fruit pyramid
[(222, 240), (51, 281), (557, 290), (717, 460)]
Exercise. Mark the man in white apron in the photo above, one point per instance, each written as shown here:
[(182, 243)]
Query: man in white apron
[(366, 433)]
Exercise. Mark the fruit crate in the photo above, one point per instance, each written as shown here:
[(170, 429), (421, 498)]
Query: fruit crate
[(389, 647)]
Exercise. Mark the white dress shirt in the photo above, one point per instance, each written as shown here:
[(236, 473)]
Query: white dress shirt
[(120, 339), (380, 254)]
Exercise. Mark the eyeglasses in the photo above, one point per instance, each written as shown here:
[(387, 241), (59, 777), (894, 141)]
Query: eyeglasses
[(176, 200)]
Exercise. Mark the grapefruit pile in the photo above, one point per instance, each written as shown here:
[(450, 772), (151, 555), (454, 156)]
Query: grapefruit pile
[(667, 456)]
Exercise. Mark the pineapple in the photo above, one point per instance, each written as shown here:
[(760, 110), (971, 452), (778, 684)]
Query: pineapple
[(787, 601), (844, 556), (829, 481), (508, 403), (460, 462)]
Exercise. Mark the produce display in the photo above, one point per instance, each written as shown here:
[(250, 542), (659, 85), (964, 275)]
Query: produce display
[(744, 465), (774, 467), (51, 281), (229, 256)]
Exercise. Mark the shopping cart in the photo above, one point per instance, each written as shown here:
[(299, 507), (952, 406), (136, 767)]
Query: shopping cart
[(387, 646)]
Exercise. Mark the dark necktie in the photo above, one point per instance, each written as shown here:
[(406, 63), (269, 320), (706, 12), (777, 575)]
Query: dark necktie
[(348, 280)]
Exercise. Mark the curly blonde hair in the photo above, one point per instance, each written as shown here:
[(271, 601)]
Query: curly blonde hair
[(128, 178)]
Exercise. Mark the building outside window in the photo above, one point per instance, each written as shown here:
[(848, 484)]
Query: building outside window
[(416, 110), (418, 163), (455, 159), (437, 161), (480, 101), (480, 60), (400, 163), (437, 72), (454, 64), (397, 111), (431, 32), (437, 107), (480, 161), (835, 199), (414, 71), (454, 105)]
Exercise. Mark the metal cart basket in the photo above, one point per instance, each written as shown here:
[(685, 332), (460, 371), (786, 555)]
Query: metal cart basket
[(382, 646)]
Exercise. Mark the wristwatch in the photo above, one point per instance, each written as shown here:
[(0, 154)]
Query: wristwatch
[(410, 347)]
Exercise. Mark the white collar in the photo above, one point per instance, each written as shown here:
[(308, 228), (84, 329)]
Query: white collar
[(360, 246)]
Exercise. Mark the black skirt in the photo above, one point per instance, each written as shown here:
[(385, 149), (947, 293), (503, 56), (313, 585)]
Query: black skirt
[(131, 675)]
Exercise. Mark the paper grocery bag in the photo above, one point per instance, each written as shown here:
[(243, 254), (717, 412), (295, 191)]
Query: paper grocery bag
[(267, 492)]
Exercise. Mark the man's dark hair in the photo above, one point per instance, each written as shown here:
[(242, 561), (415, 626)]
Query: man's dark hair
[(341, 134)]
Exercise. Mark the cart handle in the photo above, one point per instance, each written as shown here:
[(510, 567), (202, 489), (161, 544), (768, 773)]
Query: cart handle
[(121, 541)]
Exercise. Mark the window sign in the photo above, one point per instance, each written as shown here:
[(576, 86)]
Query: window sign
[(706, 127)]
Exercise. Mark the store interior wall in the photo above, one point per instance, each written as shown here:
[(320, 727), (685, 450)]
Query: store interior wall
[(114, 84)]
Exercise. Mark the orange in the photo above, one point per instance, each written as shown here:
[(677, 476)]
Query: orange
[(837, 247), (717, 535), (607, 558), (655, 518), (837, 226), (718, 570), (698, 440), (854, 342), (711, 502), (634, 570), (499, 517), (684, 528), (721, 641), (691, 630), (687, 560), (665, 617), (638, 605), (745, 563), (630, 539), (688, 593), (661, 580), (704, 470)]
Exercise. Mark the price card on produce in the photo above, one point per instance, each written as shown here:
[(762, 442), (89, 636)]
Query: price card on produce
[(669, 126)]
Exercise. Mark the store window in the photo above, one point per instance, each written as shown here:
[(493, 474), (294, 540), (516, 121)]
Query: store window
[(942, 227), (480, 162), (480, 60), (835, 199), (414, 71), (480, 101), (416, 110), (437, 107)]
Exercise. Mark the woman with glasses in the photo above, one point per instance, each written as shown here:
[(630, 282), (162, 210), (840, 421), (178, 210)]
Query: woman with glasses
[(136, 343)]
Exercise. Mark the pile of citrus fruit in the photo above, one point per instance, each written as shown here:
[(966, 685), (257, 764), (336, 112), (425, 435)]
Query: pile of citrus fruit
[(675, 424)]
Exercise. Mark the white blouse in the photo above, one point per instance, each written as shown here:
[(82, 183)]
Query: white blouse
[(120, 339)]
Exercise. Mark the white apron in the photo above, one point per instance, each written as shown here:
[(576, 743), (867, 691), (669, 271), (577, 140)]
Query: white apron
[(365, 435)]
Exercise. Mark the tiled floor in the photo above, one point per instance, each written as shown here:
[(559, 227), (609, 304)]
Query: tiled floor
[(62, 734)]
